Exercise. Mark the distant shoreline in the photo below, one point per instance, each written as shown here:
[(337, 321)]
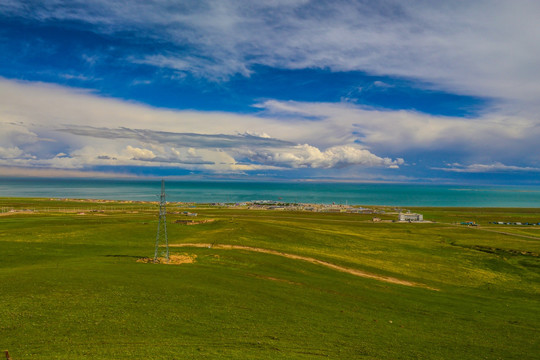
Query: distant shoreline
[(232, 205)]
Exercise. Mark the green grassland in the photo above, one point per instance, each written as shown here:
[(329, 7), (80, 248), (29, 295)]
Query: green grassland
[(71, 286)]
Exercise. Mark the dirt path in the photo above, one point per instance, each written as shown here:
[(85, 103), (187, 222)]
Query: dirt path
[(16, 213), (480, 228), (511, 234), (308, 259)]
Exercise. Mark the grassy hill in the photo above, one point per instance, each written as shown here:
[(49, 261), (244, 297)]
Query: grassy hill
[(71, 286)]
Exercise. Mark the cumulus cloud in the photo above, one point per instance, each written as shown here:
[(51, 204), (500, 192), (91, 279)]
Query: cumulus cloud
[(256, 149), (13, 136), (139, 154), (307, 156)]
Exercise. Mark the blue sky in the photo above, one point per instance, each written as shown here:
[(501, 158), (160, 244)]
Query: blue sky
[(287, 90)]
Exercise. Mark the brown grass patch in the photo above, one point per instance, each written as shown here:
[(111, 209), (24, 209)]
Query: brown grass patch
[(193, 222), (173, 259), (17, 212)]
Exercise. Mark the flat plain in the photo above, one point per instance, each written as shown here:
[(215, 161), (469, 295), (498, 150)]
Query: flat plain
[(262, 284)]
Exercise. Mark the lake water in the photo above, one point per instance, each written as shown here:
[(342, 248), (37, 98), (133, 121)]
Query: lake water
[(305, 192)]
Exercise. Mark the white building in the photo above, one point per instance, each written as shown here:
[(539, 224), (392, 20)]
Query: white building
[(410, 217)]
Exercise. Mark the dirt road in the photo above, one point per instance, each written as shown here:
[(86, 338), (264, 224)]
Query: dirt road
[(308, 259)]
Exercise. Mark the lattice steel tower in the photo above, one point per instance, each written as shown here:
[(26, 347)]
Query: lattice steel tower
[(161, 236)]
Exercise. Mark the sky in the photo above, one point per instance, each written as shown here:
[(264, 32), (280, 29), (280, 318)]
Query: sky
[(368, 91)]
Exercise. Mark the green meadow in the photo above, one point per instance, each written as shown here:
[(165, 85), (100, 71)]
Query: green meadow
[(71, 286)]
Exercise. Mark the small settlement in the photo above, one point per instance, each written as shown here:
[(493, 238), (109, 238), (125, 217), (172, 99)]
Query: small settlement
[(325, 208), (276, 205)]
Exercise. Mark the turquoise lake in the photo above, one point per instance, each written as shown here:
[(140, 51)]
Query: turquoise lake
[(305, 192)]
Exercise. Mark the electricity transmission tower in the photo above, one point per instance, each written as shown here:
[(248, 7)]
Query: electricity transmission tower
[(161, 236)]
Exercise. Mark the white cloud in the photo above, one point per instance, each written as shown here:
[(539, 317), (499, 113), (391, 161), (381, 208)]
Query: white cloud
[(186, 139), (139, 154), (45, 125), (487, 168), (10, 153), (58, 173), (198, 66), (307, 156), (482, 48), (79, 77), (381, 84), (13, 134), (46, 106), (489, 136)]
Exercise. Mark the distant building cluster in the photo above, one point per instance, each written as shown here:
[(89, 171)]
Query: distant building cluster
[(514, 223), (276, 205)]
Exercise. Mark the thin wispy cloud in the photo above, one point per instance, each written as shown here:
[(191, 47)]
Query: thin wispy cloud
[(483, 48), (487, 168)]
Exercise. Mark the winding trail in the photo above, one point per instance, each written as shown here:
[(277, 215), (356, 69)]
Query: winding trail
[(510, 234), (481, 228), (355, 272)]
